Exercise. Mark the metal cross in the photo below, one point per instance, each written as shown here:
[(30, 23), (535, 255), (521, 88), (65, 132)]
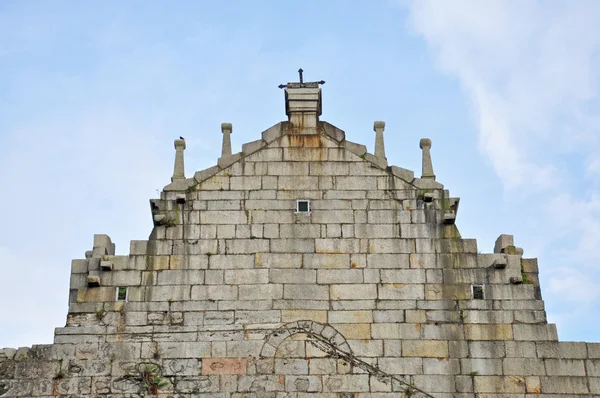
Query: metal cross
[(301, 83)]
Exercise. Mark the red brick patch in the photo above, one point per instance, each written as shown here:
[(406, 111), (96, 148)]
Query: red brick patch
[(224, 366)]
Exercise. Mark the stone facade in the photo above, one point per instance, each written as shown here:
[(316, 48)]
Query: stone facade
[(304, 266)]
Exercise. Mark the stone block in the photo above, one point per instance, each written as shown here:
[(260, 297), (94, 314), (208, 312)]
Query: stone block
[(442, 331), (564, 350), (499, 384), (260, 292), (278, 260), (245, 246), (219, 317), (292, 246), (389, 316), (356, 149), (243, 348), (176, 349), (530, 265), (435, 384), (303, 315), (322, 366), (251, 147), (230, 261), (384, 231), (138, 247), (349, 383), (395, 331), (520, 349), (564, 367), (214, 183), (260, 383), (291, 366), (339, 276), (246, 276), (487, 349), (232, 204), (441, 366), (406, 175), (327, 260), (401, 366), (271, 216), (225, 161), (593, 368), (366, 348), (176, 277), (288, 169), (593, 350), (403, 276), (225, 231), (295, 276), (388, 260), (503, 242), (399, 291), (488, 332), (300, 231), (329, 169), (305, 292), (353, 331), (487, 317), (425, 348), (564, 385), (96, 294), (257, 317), (303, 384), (297, 182), (523, 366), (350, 316), (223, 217), (214, 292), (353, 292), (390, 246), (447, 292), (305, 154), (272, 133), (535, 332)]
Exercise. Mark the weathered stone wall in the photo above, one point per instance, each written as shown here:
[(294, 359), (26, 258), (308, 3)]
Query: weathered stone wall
[(236, 294)]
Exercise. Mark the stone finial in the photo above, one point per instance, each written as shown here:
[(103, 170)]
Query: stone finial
[(503, 242), (226, 129), (178, 170), (427, 172), (378, 128)]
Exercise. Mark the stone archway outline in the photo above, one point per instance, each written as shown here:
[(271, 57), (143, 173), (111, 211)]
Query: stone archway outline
[(333, 342), (319, 332)]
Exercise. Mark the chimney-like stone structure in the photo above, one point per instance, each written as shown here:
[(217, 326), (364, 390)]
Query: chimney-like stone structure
[(427, 171), (226, 129), (303, 106), (178, 169), (378, 128)]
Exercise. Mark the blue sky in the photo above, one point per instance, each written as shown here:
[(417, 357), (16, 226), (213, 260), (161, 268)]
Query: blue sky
[(92, 96)]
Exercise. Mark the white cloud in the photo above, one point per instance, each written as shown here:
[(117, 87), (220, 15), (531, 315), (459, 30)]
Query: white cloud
[(530, 71), (526, 67)]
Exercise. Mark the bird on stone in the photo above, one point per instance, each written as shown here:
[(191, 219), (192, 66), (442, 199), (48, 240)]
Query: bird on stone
[(181, 138)]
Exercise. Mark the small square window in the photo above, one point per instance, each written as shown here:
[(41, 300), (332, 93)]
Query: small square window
[(121, 294), (303, 206), (478, 292)]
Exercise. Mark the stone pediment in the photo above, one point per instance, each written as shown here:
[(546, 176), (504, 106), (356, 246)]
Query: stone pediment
[(284, 135)]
